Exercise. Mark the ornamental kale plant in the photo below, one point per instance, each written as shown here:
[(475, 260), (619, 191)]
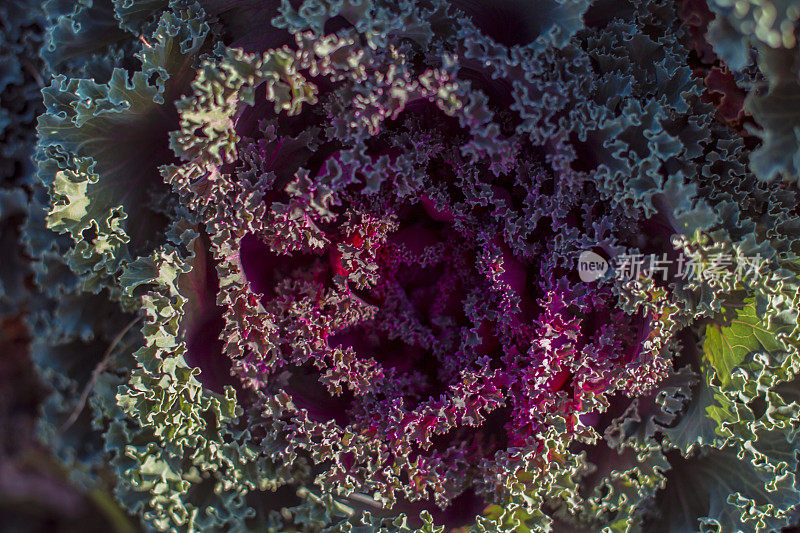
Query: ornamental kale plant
[(314, 265)]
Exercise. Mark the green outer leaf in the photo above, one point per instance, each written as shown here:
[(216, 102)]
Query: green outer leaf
[(726, 347)]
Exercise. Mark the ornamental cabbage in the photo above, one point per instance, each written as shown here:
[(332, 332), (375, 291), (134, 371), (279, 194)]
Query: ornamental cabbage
[(316, 265)]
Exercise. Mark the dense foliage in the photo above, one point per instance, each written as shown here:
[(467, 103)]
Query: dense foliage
[(314, 265)]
